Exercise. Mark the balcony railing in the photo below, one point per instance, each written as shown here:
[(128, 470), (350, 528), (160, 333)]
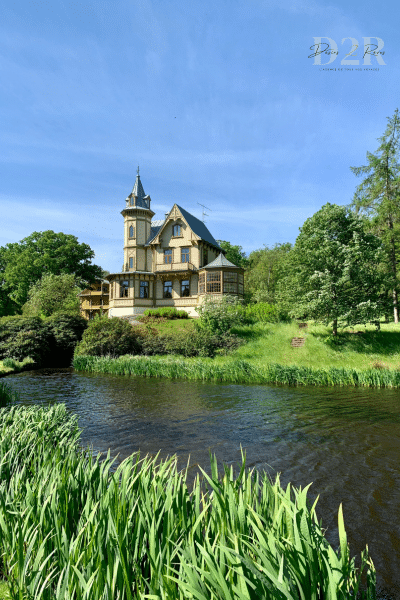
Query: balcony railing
[(94, 293), (186, 266)]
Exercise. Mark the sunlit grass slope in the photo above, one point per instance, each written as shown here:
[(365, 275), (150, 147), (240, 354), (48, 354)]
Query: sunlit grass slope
[(270, 343)]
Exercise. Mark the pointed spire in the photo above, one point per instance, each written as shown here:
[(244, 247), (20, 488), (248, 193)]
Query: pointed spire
[(138, 197), (138, 188)]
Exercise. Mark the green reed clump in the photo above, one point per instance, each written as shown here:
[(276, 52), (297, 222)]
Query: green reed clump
[(12, 365), (73, 527), (173, 368), (7, 396), (235, 371)]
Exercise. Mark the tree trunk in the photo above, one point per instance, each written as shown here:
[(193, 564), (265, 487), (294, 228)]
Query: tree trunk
[(394, 271), (395, 307), (334, 332)]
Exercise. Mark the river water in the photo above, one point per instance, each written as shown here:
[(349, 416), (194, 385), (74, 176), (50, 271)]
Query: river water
[(344, 440)]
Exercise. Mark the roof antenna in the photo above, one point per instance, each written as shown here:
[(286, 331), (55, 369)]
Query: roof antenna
[(204, 214), (137, 171)]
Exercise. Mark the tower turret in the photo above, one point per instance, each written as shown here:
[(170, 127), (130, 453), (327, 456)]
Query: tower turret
[(137, 222)]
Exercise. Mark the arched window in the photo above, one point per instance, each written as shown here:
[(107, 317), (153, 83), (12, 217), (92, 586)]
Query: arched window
[(131, 232)]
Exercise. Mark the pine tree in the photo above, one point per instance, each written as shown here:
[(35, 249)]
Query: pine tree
[(378, 198)]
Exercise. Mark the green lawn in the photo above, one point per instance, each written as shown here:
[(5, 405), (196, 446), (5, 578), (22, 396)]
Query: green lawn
[(270, 343)]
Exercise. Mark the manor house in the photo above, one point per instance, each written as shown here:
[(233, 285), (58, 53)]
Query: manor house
[(170, 262)]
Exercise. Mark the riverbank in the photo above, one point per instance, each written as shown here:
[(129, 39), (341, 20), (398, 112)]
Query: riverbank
[(235, 371), (10, 367), (366, 358), (71, 526)]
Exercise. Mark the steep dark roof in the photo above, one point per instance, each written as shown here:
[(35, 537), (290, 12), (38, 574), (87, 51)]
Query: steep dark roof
[(195, 224), (142, 200), (198, 228), (154, 229), (220, 261), (138, 188)]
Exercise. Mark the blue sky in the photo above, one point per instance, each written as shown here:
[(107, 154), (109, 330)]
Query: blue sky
[(217, 102)]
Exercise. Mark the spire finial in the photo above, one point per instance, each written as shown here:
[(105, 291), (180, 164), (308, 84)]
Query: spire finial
[(137, 171)]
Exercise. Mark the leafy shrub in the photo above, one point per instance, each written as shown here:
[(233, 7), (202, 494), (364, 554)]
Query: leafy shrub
[(218, 315), (229, 342), (66, 331), (151, 341), (47, 342), (117, 337), (10, 363), (21, 337), (111, 336), (198, 343), (166, 312), (263, 311), (52, 294)]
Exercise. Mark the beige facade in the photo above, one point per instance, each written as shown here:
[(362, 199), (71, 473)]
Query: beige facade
[(163, 260)]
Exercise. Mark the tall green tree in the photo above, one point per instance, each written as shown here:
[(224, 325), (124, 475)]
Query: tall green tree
[(378, 198), (235, 254), (332, 272), (266, 268), (24, 263), (53, 294), (7, 306)]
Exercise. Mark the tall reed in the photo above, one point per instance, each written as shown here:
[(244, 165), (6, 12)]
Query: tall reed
[(235, 371), (73, 527), (7, 396)]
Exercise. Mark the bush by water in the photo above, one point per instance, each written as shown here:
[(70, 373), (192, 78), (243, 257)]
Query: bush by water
[(47, 342)]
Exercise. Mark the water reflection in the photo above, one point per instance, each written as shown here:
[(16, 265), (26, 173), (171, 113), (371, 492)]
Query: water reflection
[(345, 440)]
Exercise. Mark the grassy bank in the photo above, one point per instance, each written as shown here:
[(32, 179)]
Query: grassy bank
[(235, 371), (367, 358), (71, 527), (364, 349), (9, 366)]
